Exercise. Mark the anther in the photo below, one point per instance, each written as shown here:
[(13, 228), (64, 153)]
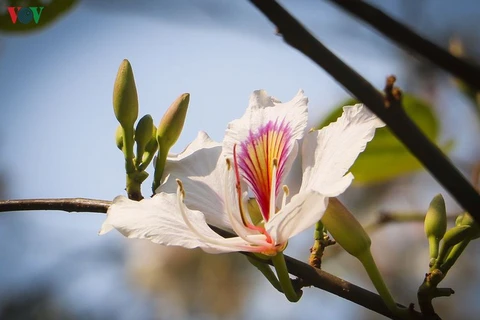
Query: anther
[(180, 185)]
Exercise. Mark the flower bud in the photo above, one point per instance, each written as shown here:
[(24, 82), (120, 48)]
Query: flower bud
[(172, 122), (125, 100), (119, 138), (168, 132), (435, 225), (345, 228), (436, 218), (150, 150), (467, 220), (143, 134), (459, 219), (456, 234)]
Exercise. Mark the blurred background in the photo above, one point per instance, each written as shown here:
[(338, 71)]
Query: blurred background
[(57, 140)]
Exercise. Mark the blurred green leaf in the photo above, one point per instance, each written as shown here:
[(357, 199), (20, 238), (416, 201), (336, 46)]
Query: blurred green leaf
[(51, 12), (385, 157)]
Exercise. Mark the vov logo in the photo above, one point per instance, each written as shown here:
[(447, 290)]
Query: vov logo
[(25, 15)]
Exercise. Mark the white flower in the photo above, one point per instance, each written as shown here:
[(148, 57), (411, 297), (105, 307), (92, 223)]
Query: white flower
[(210, 183)]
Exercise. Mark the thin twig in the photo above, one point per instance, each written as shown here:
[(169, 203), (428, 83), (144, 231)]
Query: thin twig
[(62, 204), (399, 123), (309, 276), (407, 38)]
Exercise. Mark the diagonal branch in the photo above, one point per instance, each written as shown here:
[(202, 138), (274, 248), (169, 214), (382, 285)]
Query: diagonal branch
[(404, 36), (309, 276), (400, 124)]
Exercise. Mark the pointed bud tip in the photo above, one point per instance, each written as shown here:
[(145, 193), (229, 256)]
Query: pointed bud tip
[(436, 218), (171, 125), (125, 99)]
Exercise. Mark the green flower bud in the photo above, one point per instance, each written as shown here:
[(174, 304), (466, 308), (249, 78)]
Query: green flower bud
[(458, 220), (467, 220), (349, 233), (345, 228), (452, 237), (150, 149), (472, 229), (436, 218), (168, 132), (456, 234), (435, 224), (172, 122), (119, 138), (143, 135), (125, 100)]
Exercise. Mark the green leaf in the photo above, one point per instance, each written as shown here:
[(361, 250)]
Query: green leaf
[(385, 157)]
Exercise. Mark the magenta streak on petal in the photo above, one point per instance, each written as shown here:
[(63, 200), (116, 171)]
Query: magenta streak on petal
[(255, 159)]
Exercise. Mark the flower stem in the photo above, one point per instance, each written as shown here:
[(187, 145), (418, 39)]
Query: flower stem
[(267, 272), (285, 281), (128, 150), (159, 166), (133, 185), (370, 266), (454, 255)]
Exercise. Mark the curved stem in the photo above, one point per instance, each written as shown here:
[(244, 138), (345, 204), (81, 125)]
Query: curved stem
[(454, 255), (267, 272), (159, 166), (284, 278), (370, 266)]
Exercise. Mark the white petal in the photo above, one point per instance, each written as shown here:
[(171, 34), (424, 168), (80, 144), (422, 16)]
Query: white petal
[(330, 152), (159, 220), (263, 109), (302, 212), (201, 169)]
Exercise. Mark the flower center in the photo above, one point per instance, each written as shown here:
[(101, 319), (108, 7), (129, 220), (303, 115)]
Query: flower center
[(262, 158)]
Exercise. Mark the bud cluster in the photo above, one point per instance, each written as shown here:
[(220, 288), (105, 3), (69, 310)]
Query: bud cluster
[(147, 138)]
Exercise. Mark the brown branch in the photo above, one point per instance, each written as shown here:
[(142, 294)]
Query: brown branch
[(407, 38), (399, 123), (62, 204), (308, 275)]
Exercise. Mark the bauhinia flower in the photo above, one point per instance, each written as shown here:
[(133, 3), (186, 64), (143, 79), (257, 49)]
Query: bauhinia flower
[(211, 183)]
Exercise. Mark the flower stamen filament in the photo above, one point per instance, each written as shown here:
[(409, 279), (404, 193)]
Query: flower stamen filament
[(286, 192), (273, 188), (238, 187)]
